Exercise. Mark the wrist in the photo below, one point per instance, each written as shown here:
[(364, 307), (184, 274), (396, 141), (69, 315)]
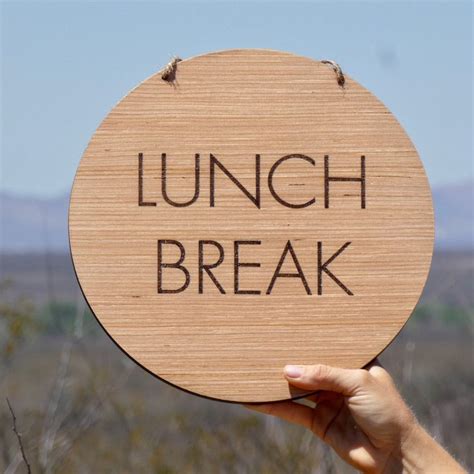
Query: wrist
[(420, 453), (414, 448)]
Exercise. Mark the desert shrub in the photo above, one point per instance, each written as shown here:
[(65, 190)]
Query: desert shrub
[(60, 317)]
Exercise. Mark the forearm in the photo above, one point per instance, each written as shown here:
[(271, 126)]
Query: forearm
[(420, 453)]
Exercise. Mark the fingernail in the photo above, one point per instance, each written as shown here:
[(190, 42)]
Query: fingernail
[(293, 371)]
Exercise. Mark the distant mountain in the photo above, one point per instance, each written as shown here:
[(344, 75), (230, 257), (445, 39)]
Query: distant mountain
[(454, 213), (31, 224)]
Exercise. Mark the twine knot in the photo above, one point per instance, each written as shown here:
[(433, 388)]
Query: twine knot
[(169, 71), (341, 80)]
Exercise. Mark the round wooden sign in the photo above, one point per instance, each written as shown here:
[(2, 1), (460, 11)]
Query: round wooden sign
[(250, 212)]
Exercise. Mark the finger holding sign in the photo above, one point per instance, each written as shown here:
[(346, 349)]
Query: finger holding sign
[(361, 415)]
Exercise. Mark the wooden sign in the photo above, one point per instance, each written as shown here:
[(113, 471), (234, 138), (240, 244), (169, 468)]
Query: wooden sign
[(252, 212)]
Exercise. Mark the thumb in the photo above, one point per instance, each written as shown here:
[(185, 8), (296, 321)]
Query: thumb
[(325, 377)]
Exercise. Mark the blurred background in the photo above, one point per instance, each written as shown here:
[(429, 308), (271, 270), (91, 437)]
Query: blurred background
[(81, 405)]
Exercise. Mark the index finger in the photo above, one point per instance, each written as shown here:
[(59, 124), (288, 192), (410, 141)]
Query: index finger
[(293, 412)]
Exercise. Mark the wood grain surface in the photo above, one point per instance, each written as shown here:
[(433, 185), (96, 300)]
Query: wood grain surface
[(281, 294)]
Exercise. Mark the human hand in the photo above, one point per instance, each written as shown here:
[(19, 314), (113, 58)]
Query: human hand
[(361, 415)]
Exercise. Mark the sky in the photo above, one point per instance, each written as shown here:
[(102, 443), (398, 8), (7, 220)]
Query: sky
[(66, 64)]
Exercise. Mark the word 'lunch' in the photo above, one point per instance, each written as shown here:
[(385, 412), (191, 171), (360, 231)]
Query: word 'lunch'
[(254, 196)]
